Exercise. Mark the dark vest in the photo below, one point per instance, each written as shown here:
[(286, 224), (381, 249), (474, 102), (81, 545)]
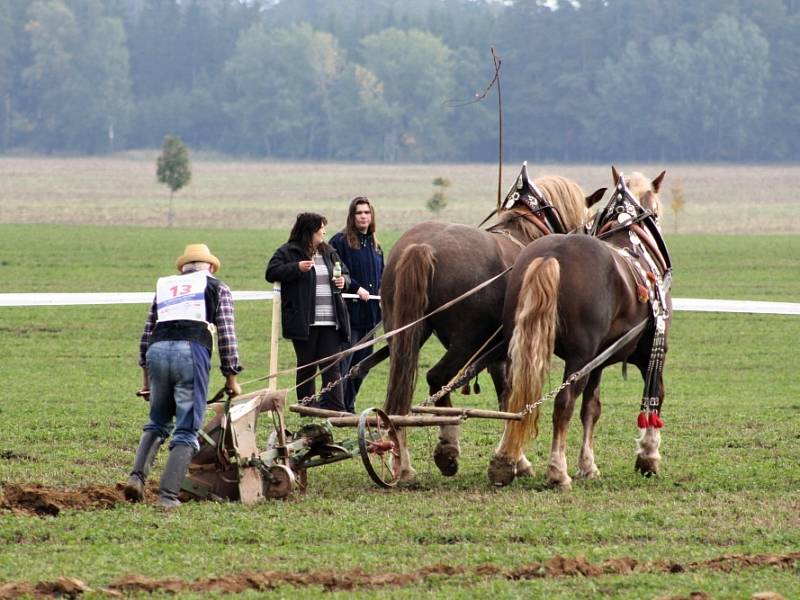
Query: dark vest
[(191, 331)]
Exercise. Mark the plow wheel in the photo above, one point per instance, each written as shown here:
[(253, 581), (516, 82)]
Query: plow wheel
[(279, 482), (379, 447)]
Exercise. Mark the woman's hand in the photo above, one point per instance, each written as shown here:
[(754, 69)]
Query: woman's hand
[(338, 282), (305, 265)]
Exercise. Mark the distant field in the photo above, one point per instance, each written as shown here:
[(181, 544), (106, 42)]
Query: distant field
[(267, 195)]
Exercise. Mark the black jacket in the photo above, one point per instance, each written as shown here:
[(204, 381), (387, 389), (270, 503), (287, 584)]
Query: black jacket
[(298, 290)]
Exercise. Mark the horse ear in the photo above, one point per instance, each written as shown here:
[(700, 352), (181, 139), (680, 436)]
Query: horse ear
[(657, 181), (614, 174), (595, 197)]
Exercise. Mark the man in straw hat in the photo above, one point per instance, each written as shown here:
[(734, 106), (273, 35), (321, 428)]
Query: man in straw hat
[(175, 356)]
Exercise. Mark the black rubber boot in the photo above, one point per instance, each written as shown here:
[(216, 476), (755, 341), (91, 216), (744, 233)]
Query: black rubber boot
[(145, 455), (174, 473)]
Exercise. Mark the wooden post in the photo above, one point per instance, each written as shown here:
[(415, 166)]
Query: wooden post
[(274, 336)]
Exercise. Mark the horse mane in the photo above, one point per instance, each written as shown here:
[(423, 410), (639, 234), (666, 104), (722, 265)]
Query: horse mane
[(564, 194), (642, 188), (567, 196)]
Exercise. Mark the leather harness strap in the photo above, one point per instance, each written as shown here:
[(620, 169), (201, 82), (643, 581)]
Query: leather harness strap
[(533, 218), (648, 241)]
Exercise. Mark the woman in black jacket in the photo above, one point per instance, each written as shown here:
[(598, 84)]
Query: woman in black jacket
[(313, 313)]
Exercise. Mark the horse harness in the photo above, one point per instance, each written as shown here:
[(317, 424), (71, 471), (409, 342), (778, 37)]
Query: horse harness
[(543, 225), (651, 271)]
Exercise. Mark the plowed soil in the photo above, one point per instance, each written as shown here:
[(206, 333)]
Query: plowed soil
[(36, 500)]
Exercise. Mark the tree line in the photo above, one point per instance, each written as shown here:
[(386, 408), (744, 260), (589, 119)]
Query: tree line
[(389, 80)]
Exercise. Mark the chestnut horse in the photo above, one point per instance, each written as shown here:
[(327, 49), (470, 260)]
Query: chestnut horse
[(434, 262), (577, 296)]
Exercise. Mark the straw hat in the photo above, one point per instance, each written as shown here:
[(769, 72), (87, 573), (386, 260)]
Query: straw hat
[(197, 253)]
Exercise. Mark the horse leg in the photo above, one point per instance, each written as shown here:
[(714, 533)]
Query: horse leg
[(648, 458), (405, 473), (447, 451), (557, 475), (497, 371), (590, 413)]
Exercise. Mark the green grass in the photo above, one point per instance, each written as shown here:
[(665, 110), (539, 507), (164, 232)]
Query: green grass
[(730, 475)]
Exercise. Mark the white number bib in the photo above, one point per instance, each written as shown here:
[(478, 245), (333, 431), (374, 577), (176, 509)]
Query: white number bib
[(182, 297)]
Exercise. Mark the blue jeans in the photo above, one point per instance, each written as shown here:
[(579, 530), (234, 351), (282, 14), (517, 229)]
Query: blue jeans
[(353, 384), (178, 373)]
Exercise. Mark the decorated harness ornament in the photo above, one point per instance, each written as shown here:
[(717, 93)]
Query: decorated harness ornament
[(525, 191)]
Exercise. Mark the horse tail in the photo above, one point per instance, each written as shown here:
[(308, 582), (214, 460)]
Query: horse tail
[(413, 276), (531, 347)]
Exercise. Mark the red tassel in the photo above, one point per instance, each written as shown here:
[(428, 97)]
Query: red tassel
[(641, 422), (465, 389), (642, 293), (655, 420), (651, 276)]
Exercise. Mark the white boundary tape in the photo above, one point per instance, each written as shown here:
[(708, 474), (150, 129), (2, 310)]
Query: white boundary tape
[(683, 304), (736, 306)]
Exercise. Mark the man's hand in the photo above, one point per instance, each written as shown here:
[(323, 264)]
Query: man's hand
[(233, 385), (362, 294), (144, 392)]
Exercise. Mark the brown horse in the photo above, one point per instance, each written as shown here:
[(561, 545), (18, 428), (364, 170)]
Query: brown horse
[(435, 262), (577, 296)]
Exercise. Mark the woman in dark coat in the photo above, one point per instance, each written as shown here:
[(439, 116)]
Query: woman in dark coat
[(313, 313), (358, 246)]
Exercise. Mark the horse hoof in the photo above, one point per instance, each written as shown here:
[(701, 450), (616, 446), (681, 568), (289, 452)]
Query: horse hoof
[(588, 474), (409, 484), (563, 485), (524, 468), (446, 459), (646, 466), (501, 471), (559, 480), (407, 476)]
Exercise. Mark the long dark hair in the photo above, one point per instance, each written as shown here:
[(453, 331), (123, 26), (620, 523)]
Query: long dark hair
[(304, 228), (350, 230)]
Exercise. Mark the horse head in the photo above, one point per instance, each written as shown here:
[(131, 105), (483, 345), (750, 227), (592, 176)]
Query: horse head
[(635, 202), (644, 190)]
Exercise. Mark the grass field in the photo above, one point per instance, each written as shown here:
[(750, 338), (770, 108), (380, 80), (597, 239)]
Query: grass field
[(722, 519)]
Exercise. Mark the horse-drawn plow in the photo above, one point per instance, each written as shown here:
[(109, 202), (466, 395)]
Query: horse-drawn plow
[(625, 241), (232, 465)]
